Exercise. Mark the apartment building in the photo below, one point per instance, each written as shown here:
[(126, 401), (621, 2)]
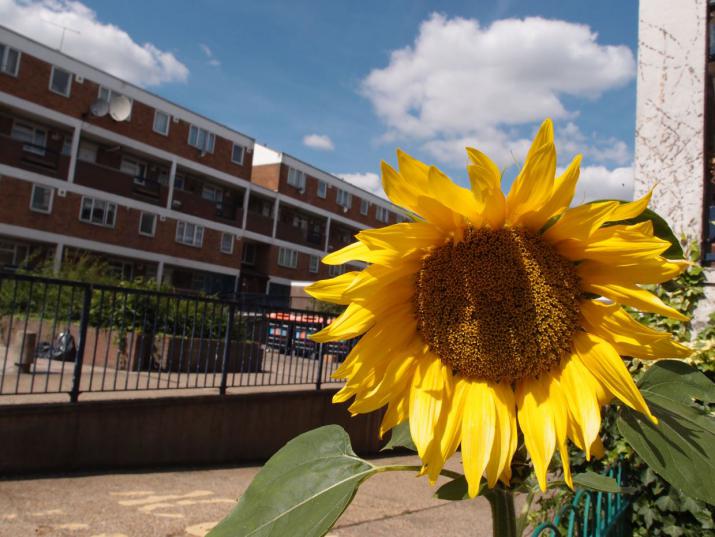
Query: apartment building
[(92, 164)]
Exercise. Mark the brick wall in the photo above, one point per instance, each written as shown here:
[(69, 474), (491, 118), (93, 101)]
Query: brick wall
[(64, 219)]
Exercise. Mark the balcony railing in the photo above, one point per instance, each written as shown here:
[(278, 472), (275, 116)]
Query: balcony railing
[(300, 235), (115, 181), (259, 223), (33, 157)]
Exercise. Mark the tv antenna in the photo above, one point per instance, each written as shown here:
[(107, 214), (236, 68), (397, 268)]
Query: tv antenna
[(64, 30)]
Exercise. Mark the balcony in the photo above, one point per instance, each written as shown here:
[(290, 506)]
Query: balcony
[(259, 223), (299, 235), (341, 237), (226, 211), (32, 157), (112, 180)]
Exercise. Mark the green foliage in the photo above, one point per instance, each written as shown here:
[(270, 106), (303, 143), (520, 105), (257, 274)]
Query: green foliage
[(659, 508), (400, 437), (301, 490)]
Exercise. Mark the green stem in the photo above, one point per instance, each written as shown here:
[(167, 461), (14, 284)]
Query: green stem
[(410, 468), (503, 514)]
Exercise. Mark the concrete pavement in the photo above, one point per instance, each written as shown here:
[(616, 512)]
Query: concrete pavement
[(187, 503)]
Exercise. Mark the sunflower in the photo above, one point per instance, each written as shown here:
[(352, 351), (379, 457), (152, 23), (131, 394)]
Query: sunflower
[(493, 313)]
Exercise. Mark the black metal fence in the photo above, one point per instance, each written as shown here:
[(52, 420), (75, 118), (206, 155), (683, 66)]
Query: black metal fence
[(59, 336)]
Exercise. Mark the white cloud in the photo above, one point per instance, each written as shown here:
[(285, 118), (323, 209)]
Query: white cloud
[(458, 76), (598, 182), (213, 61), (318, 141), (103, 45), (368, 181)]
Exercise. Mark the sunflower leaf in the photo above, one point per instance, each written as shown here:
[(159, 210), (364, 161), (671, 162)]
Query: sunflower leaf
[(400, 437), (679, 448), (458, 489), (302, 490), (597, 482)]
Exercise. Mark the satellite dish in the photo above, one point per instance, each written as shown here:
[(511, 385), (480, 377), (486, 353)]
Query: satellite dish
[(99, 108), (120, 108)]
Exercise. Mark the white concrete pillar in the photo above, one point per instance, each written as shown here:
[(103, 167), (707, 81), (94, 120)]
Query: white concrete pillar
[(57, 259), (172, 180), (74, 152), (276, 207)]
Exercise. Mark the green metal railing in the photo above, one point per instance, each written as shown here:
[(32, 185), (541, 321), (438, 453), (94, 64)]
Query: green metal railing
[(591, 514)]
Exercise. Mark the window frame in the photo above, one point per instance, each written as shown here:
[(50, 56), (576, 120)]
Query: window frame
[(296, 178), (339, 192), (34, 148), (209, 140), (216, 197), (245, 258), (69, 82), (198, 230), (384, 211), (364, 206), (314, 264), (336, 270), (142, 214), (322, 189), (168, 122), (3, 60), (291, 262), (225, 234), (233, 152), (108, 204), (35, 186)]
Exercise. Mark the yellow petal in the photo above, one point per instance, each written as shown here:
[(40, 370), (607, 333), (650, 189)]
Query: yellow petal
[(358, 251), (649, 271), (634, 297), (628, 336), (478, 424), (577, 384), (376, 278), (485, 179), (562, 194), (332, 290), (615, 245), (403, 237), (456, 198), (426, 397), (533, 186), (355, 320), (626, 211), (604, 363), (398, 410), (580, 222), (536, 420), (505, 438), (397, 374), (449, 429)]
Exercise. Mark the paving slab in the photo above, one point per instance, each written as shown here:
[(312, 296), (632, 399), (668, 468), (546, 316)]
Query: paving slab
[(188, 502)]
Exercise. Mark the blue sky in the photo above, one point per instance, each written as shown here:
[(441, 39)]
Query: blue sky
[(478, 72)]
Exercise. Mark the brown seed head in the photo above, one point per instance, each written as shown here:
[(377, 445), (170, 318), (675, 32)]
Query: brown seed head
[(501, 305)]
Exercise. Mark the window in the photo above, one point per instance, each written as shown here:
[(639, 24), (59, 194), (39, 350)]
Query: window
[(201, 139), (87, 151), (314, 264), (212, 193), (322, 189), (67, 146), (41, 199), (33, 137), (336, 270), (99, 212), (343, 198), (296, 178), (9, 60), (237, 153), (61, 81), (189, 234), (227, 240), (134, 168), (382, 214), (13, 254), (161, 122), (299, 222), (179, 182), (147, 224), (122, 270), (287, 258), (364, 207), (248, 255)]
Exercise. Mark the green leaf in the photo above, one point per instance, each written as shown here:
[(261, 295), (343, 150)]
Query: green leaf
[(400, 437), (679, 448), (598, 482), (302, 490), (661, 229), (677, 380), (454, 490)]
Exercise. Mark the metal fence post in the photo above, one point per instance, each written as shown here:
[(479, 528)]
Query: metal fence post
[(79, 357), (227, 348), (321, 359)]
